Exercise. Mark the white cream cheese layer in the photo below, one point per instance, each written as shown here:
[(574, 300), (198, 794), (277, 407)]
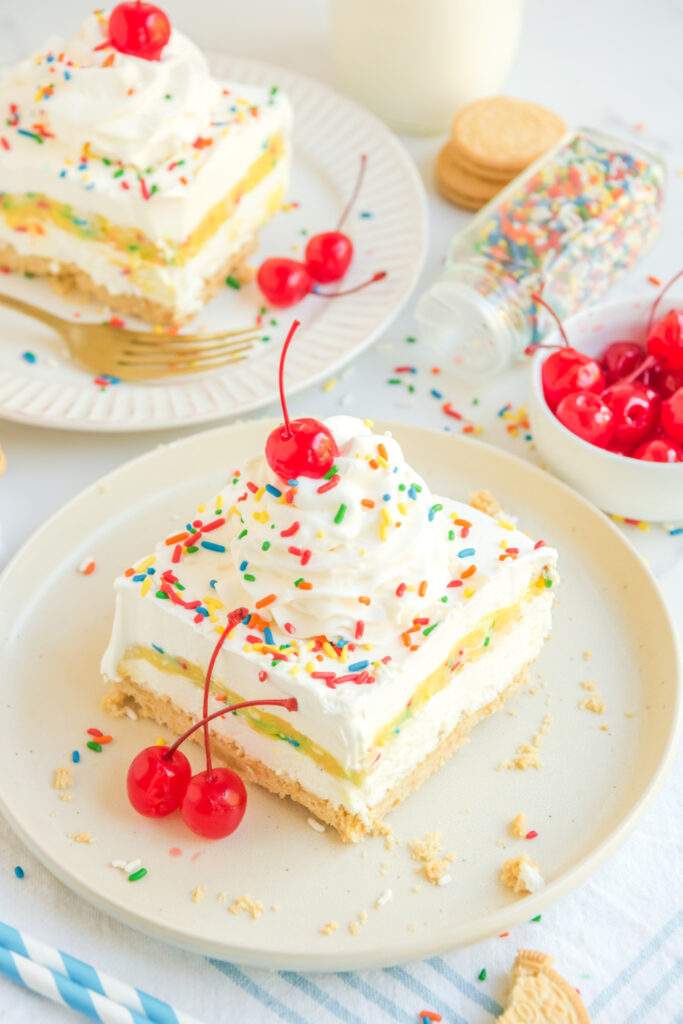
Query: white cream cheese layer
[(181, 287), (476, 686)]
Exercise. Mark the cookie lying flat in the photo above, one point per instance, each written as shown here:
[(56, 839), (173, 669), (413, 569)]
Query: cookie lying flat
[(503, 134), (540, 995)]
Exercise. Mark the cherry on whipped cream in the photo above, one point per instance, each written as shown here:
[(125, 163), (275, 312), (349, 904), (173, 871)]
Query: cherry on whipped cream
[(303, 447), (139, 29)]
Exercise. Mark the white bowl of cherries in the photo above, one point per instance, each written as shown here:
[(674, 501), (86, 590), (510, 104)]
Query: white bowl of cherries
[(607, 406)]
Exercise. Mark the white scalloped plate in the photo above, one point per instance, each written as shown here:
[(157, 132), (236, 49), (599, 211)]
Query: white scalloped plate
[(388, 226), (54, 624)]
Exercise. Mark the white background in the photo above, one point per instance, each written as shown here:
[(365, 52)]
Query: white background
[(613, 64)]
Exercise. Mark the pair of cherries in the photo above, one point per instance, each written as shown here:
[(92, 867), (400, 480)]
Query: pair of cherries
[(627, 400), (284, 281), (160, 780)]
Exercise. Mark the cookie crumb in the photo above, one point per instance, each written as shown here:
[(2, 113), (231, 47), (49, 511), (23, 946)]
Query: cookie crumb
[(594, 702), (247, 905), (82, 837), (275, 907), (198, 893), (528, 754), (387, 832), (518, 827), (62, 779), (587, 655), (329, 928), (484, 501), (426, 851), (521, 875), (426, 848)]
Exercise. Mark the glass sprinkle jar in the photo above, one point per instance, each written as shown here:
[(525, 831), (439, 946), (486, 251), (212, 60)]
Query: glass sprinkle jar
[(570, 226)]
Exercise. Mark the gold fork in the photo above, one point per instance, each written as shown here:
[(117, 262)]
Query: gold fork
[(142, 355)]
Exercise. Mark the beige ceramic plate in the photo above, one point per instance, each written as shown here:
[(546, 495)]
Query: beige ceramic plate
[(54, 624)]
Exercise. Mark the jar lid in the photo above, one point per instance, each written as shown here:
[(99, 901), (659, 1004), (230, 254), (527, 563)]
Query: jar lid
[(469, 330)]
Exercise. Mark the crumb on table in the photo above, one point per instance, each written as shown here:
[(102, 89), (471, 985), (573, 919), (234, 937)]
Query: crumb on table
[(198, 893), (329, 928)]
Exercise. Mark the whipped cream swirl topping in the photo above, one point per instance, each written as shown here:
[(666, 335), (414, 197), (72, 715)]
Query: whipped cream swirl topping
[(124, 108), (358, 556)]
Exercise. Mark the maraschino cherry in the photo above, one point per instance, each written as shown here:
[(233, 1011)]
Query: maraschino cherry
[(139, 29), (285, 281), (665, 340), (635, 409), (619, 359), (303, 447), (160, 780), (329, 253), (672, 416), (587, 416), (659, 449), (567, 370)]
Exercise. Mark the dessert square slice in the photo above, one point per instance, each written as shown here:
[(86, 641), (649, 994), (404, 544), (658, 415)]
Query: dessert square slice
[(140, 183), (397, 619)]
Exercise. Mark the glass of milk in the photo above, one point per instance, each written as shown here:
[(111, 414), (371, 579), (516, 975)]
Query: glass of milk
[(414, 62)]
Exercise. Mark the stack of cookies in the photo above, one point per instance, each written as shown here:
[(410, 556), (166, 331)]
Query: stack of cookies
[(492, 141)]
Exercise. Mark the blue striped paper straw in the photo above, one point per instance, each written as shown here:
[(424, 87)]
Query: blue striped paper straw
[(74, 983), (62, 990)]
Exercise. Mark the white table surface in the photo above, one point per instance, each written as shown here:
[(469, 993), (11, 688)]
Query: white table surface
[(614, 65)]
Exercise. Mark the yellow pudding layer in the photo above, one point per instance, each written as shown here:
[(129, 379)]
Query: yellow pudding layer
[(468, 649), (30, 212)]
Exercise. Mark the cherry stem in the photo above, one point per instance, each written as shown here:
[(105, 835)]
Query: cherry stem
[(234, 618), (354, 194), (546, 305), (659, 299), (289, 703), (379, 276), (647, 362), (281, 374)]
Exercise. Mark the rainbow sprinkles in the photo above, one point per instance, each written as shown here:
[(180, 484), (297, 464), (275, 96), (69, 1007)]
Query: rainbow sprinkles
[(396, 618)]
